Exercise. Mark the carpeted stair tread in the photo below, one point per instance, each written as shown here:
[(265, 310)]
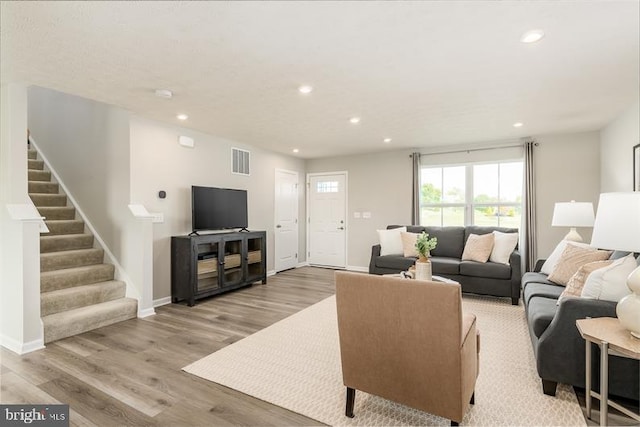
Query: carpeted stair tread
[(83, 319), (32, 154), (65, 226), (36, 164), (76, 276), (36, 175), (65, 242), (42, 187), (47, 200), (80, 296), (68, 259), (57, 212)]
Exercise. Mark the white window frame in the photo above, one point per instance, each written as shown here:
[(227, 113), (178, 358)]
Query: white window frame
[(469, 205)]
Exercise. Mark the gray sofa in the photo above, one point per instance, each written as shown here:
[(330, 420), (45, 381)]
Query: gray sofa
[(480, 278), (558, 347)]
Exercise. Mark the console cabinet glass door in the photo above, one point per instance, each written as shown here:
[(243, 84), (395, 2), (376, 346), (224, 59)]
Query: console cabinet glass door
[(208, 265), (256, 257), (232, 261)]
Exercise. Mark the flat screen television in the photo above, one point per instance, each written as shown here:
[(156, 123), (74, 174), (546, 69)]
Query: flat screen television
[(218, 208)]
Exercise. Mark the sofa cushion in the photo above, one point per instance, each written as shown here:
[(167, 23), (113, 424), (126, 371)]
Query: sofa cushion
[(541, 290), (540, 313), (444, 265), (396, 262), (485, 269), (534, 277), (450, 241)]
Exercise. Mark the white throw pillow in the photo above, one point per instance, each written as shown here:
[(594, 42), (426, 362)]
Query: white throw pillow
[(610, 283), (553, 259), (503, 246), (391, 241)]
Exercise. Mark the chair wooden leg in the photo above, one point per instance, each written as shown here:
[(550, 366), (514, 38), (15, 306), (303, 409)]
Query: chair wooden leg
[(473, 398), (351, 400)]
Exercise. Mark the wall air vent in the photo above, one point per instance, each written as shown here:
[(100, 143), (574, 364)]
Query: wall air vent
[(240, 161)]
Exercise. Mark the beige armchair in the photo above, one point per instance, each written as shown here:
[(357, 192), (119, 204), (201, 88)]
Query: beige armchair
[(407, 341)]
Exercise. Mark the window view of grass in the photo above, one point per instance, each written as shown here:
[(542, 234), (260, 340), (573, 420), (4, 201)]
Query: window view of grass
[(493, 194)]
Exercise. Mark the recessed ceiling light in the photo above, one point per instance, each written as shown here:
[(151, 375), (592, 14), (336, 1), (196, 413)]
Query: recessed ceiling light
[(517, 125), (305, 89), (386, 140), (295, 150), (532, 36), (164, 93), (182, 117), (355, 120)]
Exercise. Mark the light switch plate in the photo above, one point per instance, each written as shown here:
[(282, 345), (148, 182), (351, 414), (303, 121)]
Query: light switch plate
[(356, 214), (366, 215)]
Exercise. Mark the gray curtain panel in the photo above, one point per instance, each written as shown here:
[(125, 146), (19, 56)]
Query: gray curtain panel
[(415, 199), (529, 214)]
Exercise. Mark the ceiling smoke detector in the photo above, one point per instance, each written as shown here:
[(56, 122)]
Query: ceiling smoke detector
[(164, 93)]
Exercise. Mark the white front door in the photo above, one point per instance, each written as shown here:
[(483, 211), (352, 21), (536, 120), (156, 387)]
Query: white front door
[(327, 219), (286, 220)]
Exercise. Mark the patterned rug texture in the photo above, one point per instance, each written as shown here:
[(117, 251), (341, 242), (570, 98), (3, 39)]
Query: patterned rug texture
[(295, 364)]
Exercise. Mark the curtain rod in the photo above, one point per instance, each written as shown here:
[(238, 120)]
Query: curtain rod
[(469, 150)]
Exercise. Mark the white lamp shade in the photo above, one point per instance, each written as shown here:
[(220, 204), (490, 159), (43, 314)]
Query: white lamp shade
[(573, 214), (617, 224)]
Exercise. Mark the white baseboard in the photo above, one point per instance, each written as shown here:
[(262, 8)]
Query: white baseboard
[(302, 264), (271, 273), (357, 268), (146, 313), (21, 348), (161, 301)]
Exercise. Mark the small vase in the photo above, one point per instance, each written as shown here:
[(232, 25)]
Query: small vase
[(423, 270)]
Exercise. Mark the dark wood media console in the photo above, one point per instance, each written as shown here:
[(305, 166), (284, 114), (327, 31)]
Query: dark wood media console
[(209, 264)]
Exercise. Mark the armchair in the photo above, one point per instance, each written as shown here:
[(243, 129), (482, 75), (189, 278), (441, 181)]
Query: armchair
[(407, 341)]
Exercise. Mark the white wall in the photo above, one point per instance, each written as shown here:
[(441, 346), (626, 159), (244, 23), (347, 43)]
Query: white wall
[(87, 143), (567, 168), (379, 183), (158, 162), (616, 142)]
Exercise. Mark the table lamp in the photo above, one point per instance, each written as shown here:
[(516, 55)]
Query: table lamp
[(573, 214), (617, 227)]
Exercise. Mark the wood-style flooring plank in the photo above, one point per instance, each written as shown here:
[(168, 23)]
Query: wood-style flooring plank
[(130, 373)]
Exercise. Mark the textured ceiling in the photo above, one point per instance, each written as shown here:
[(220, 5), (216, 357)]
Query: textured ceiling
[(422, 73)]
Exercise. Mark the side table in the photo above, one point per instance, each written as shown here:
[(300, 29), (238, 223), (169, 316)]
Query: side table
[(613, 339)]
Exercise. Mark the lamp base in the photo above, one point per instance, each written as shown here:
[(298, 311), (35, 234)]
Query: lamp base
[(573, 236), (628, 309)]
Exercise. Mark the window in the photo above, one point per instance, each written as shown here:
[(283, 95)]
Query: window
[(479, 194), (327, 187)]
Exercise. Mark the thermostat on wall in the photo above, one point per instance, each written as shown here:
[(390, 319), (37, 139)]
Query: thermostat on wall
[(185, 141)]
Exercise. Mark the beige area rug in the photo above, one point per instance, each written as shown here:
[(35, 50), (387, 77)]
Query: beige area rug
[(295, 364)]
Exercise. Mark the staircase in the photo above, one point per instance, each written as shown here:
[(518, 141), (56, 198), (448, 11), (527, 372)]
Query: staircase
[(78, 292)]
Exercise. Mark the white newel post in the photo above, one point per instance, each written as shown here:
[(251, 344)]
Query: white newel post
[(140, 265), (22, 329)]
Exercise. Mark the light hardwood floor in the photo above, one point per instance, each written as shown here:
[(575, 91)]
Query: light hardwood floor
[(130, 373)]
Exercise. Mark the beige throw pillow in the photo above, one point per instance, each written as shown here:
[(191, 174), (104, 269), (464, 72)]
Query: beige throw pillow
[(409, 243), (552, 260), (577, 281), (478, 247), (573, 257)]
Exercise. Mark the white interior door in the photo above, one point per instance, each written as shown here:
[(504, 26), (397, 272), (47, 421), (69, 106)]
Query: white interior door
[(286, 220), (327, 219)]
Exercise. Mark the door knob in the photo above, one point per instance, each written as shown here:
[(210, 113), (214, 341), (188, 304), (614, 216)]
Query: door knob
[(278, 226), (340, 228)]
